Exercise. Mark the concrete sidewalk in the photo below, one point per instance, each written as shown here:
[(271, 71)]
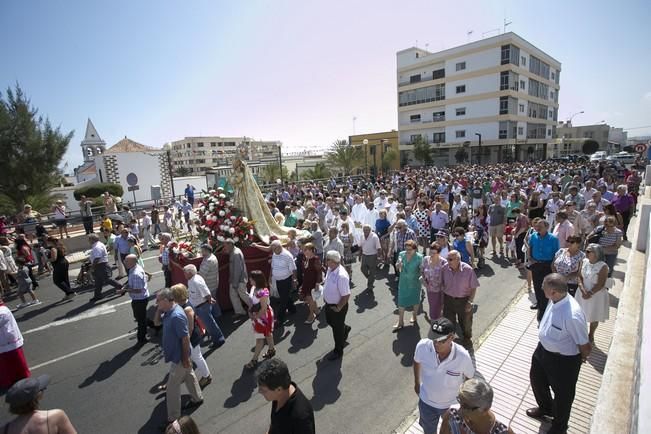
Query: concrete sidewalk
[(504, 359)]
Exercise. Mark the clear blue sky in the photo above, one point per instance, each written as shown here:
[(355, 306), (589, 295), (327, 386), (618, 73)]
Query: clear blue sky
[(295, 71)]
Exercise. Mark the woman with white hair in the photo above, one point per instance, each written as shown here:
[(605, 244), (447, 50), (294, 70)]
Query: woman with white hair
[(593, 295), (474, 415)]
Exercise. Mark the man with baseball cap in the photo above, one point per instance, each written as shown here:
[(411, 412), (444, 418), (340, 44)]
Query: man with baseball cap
[(23, 399), (440, 367)]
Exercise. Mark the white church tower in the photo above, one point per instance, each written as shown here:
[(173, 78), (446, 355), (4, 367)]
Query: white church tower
[(92, 146)]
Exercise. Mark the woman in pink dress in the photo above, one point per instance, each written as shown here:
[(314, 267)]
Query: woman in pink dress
[(432, 265), (262, 317)]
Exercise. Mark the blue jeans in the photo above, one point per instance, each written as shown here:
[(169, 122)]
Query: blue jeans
[(610, 261), (205, 313), (429, 417)]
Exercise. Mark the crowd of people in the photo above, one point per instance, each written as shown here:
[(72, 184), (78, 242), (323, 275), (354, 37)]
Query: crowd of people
[(559, 224)]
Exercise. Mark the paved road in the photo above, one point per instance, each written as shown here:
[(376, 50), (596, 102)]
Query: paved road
[(106, 385)]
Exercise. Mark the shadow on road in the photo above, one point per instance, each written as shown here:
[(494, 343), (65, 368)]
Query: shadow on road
[(106, 369), (405, 344), (242, 389), (365, 301), (303, 336), (156, 419), (325, 385)]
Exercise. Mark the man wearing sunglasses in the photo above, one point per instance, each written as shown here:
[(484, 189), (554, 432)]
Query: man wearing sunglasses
[(440, 367)]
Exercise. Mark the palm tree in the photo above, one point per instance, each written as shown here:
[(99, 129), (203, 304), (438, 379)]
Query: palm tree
[(345, 157), (320, 171), (271, 172), (461, 155), (422, 151), (389, 157), (182, 171)]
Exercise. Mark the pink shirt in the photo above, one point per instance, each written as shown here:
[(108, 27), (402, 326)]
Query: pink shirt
[(459, 283), (562, 231)]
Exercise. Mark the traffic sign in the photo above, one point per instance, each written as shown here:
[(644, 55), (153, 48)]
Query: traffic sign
[(133, 188), (640, 148), (132, 179)]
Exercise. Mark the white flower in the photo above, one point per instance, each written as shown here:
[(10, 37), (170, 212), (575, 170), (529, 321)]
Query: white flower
[(213, 218), (231, 230), (211, 207), (211, 191), (227, 210), (228, 203), (244, 219), (222, 213), (220, 238), (233, 218), (222, 196), (236, 239)]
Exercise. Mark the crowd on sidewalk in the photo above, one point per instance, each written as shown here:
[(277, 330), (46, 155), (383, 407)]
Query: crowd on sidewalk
[(560, 224)]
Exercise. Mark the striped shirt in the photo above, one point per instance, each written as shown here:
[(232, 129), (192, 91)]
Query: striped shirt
[(401, 237), (138, 280), (282, 265)]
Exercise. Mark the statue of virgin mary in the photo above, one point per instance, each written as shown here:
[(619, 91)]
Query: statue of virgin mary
[(248, 198)]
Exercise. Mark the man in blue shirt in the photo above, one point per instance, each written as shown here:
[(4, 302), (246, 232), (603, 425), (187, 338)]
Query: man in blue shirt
[(121, 244), (542, 249), (189, 194), (176, 348), (137, 288)]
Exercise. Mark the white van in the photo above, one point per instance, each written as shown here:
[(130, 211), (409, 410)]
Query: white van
[(599, 156)]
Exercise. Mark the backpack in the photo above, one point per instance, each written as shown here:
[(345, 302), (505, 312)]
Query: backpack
[(596, 236)]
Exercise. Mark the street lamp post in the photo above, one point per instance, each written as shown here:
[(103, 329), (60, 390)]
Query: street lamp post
[(569, 121), (280, 162), (365, 143), (479, 149)]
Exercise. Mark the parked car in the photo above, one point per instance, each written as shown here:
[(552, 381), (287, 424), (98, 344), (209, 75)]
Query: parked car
[(623, 157), (599, 156), (578, 158)]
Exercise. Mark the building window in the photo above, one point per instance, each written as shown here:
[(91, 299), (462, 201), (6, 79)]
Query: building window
[(461, 89), (414, 78), (213, 144), (520, 131), (549, 132), (521, 108), (439, 73), (461, 66), (461, 111), (503, 130), (522, 85), (460, 134), (414, 118), (539, 67), (414, 138), (504, 105), (510, 54), (438, 137), (200, 145), (422, 95), (508, 80), (523, 60), (438, 116), (553, 79)]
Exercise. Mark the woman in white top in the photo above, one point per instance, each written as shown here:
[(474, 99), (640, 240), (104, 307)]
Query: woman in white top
[(593, 295), (60, 219)]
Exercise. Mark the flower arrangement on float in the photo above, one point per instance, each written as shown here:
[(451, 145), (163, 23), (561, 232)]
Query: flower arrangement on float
[(185, 249), (221, 220)]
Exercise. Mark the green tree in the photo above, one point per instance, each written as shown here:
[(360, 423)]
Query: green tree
[(590, 146), (344, 157), (320, 171), (271, 172), (422, 151), (181, 171), (389, 157), (461, 155), (31, 149)]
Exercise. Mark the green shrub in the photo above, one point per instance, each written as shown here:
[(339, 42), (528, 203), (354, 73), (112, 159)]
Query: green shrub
[(96, 190)]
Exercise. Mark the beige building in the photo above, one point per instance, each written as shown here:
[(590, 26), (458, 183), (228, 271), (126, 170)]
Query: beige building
[(376, 147), (610, 139), (200, 154), (501, 90)]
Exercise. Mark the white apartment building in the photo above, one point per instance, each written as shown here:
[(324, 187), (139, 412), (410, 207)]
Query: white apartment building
[(503, 88), (200, 154)]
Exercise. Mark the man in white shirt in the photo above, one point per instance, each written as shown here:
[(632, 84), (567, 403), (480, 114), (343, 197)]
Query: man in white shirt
[(336, 292), (369, 250), (438, 220), (381, 201), (359, 210), (201, 300), (457, 205), (556, 363), (283, 273), (588, 191), (440, 367), (334, 242), (371, 216), (147, 239), (101, 270)]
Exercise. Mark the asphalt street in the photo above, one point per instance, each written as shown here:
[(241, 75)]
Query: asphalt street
[(108, 385)]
